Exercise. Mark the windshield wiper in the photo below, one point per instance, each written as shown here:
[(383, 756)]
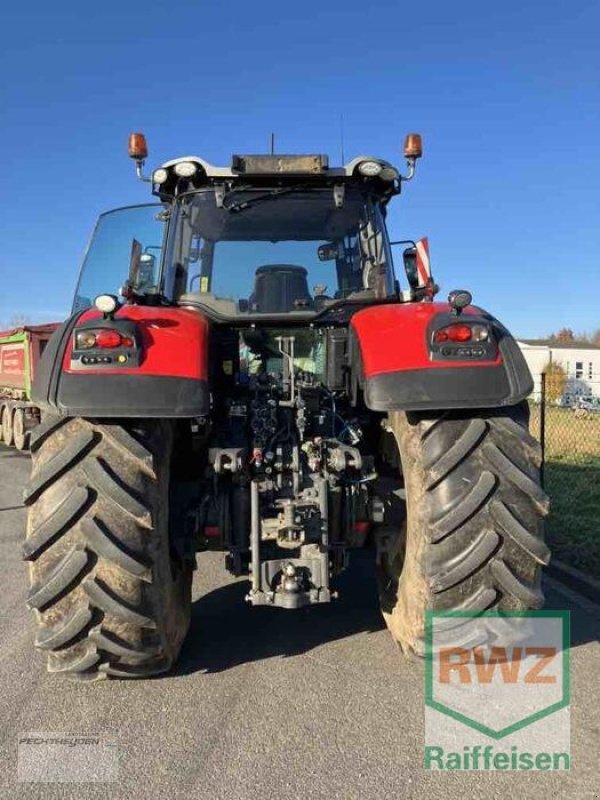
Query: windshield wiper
[(242, 205)]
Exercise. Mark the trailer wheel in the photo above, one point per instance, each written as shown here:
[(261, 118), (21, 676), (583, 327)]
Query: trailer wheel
[(110, 593), (7, 425), (20, 434), (472, 538)]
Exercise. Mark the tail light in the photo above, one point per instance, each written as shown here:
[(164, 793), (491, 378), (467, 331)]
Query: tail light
[(467, 339), (85, 340), (114, 343), (461, 332), (105, 338), (108, 338)]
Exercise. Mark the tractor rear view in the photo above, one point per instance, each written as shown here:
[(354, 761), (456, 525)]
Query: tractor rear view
[(243, 372)]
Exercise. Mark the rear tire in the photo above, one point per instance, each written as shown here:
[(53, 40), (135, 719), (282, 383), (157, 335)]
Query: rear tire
[(472, 538), (7, 425), (20, 433), (110, 596)]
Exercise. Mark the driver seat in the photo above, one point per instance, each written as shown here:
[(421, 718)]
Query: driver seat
[(280, 288)]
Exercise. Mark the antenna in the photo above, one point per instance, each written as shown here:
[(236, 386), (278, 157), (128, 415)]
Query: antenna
[(342, 137), (272, 144)]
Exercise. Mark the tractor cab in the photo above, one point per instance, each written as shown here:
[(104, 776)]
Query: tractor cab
[(271, 235)]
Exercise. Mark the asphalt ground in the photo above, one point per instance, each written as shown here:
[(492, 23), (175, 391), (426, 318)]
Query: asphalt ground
[(317, 703)]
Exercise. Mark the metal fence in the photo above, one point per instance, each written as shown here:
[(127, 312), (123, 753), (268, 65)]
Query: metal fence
[(568, 428)]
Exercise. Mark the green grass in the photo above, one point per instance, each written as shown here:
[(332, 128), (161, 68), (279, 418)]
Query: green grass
[(573, 527), (572, 479)]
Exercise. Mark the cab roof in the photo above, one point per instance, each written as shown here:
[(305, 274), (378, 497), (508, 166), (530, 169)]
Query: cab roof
[(296, 162)]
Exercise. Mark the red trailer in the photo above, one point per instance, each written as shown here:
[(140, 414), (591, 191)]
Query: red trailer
[(20, 352)]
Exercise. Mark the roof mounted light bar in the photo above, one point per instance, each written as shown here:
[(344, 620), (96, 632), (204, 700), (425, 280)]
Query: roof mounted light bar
[(196, 170), (273, 164)]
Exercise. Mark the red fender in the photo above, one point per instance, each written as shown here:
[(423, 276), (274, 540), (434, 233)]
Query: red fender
[(162, 372), (401, 369)]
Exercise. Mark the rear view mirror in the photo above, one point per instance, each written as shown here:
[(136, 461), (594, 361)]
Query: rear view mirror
[(142, 266), (327, 252), (410, 267), (134, 261), (146, 277)]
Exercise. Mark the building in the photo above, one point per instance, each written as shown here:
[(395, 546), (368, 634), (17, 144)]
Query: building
[(580, 361)]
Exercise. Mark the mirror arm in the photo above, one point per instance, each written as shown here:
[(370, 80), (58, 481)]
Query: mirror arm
[(403, 241)]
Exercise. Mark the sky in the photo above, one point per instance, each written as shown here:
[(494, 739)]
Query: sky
[(506, 96)]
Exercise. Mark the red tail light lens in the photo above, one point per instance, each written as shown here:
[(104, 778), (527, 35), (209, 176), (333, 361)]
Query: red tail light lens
[(108, 338), (459, 333), (454, 333)]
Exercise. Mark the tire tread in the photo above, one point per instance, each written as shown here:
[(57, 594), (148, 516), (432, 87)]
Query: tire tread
[(102, 587), (474, 528)]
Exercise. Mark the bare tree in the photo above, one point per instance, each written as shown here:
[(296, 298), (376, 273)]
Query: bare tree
[(16, 321), (563, 335)]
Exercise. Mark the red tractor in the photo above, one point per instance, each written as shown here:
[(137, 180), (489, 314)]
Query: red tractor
[(243, 372)]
